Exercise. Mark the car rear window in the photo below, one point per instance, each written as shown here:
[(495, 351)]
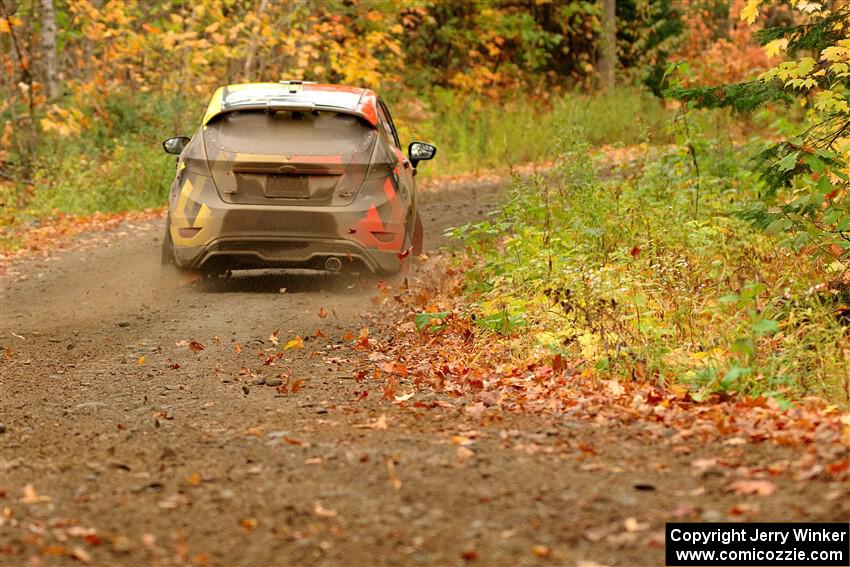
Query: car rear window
[(302, 133)]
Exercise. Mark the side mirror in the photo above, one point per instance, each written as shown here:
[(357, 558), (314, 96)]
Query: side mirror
[(420, 151), (175, 145)]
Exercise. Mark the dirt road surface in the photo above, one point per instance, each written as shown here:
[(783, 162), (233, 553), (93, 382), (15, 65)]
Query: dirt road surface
[(121, 445)]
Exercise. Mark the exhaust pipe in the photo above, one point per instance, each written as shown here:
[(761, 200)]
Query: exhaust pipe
[(333, 264)]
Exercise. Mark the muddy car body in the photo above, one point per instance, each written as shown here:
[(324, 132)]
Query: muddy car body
[(296, 175)]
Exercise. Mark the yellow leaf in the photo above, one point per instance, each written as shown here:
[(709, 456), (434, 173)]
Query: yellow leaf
[(776, 46), (835, 53), (297, 342), (751, 11)]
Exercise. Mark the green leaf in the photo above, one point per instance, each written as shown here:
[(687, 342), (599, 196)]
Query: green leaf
[(733, 376), (744, 345), (423, 320), (788, 162), (766, 326)]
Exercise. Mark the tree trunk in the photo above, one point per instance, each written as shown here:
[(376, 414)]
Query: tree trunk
[(48, 45), (248, 70), (608, 45)]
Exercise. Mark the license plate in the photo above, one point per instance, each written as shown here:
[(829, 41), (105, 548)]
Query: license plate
[(287, 186)]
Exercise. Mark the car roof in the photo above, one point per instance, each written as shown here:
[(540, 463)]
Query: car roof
[(295, 95)]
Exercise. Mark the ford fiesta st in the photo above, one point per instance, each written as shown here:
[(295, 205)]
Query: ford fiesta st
[(293, 175)]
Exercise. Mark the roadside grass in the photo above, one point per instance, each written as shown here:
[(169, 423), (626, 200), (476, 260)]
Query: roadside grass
[(474, 135), (646, 272)]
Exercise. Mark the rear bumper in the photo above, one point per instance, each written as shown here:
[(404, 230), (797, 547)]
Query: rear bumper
[(204, 229), (247, 252)]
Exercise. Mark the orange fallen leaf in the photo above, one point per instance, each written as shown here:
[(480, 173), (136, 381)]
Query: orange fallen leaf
[(380, 423), (747, 487), (541, 551), (93, 539), (31, 496), (322, 313), (319, 510), (196, 347)]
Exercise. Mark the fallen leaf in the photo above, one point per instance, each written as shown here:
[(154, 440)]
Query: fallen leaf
[(80, 555), (141, 361), (615, 388), (747, 487), (322, 313), (93, 539), (541, 551), (31, 496), (297, 342), (319, 510), (196, 347), (395, 482), (273, 337), (463, 454), (632, 525)]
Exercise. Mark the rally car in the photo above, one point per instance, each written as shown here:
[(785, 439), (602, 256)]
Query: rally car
[(293, 175)]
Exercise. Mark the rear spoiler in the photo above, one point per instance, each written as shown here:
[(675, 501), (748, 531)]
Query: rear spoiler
[(292, 107), (365, 109)]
